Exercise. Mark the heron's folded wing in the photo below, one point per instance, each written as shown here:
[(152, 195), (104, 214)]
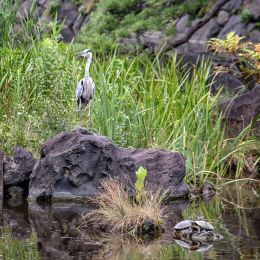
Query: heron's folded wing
[(79, 90)]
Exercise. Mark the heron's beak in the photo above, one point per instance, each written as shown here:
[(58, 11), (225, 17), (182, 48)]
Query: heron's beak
[(79, 53)]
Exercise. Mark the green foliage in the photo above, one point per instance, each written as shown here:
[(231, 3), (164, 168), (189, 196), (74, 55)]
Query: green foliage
[(257, 26), (230, 44), (141, 174), (115, 19), (246, 16), (11, 248), (7, 17), (34, 89), (138, 103), (54, 7), (244, 55)]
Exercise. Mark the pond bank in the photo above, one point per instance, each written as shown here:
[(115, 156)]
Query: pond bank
[(57, 236)]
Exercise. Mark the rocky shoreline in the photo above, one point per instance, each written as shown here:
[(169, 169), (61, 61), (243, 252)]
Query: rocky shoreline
[(72, 164)]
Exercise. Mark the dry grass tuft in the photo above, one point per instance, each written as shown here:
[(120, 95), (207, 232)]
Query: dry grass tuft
[(119, 213)]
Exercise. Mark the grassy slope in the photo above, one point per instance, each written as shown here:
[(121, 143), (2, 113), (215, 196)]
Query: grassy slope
[(115, 19)]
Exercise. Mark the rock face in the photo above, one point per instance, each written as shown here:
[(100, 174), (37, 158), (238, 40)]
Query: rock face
[(18, 168), (229, 82), (73, 14), (234, 24), (241, 110), (73, 163)]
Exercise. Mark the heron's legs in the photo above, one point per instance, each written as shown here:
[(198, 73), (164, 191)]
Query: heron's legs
[(79, 107), (89, 114)]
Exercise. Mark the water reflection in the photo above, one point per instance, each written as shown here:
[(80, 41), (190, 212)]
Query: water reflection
[(235, 215)]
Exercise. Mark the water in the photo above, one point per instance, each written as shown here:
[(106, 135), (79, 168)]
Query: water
[(51, 232)]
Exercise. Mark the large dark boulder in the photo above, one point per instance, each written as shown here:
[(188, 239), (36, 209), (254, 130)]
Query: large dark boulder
[(72, 165), (18, 168), (240, 111), (227, 82)]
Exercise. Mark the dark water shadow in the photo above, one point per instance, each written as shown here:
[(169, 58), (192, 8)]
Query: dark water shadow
[(56, 228)]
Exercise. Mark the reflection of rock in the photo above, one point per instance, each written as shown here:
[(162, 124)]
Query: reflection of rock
[(57, 232), (15, 192), (174, 215), (17, 219), (72, 165), (58, 235)]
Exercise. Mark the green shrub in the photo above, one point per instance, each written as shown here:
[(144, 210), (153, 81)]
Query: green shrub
[(115, 19), (246, 16)]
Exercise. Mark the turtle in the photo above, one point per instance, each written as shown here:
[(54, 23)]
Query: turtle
[(183, 229), (201, 226)]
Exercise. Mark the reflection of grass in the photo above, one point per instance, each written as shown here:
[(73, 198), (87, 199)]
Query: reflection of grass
[(124, 248), (231, 214), (11, 248)]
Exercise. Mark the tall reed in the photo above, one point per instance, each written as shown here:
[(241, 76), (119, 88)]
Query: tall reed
[(139, 102)]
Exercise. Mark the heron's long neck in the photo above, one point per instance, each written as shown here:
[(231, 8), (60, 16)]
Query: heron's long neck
[(89, 60)]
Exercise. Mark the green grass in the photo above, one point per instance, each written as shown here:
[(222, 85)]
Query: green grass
[(139, 102), (114, 19), (11, 248)]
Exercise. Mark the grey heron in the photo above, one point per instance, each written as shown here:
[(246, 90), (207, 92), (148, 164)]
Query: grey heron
[(86, 87)]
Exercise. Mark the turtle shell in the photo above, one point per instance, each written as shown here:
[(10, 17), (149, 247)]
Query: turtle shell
[(185, 224), (204, 224)]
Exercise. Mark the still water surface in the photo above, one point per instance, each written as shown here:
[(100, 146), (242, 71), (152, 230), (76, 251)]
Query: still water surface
[(51, 232)]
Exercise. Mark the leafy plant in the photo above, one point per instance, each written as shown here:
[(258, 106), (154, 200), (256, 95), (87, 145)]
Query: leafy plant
[(245, 56), (141, 174), (246, 16), (120, 214)]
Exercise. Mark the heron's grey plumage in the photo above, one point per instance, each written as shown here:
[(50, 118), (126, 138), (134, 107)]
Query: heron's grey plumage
[(86, 87)]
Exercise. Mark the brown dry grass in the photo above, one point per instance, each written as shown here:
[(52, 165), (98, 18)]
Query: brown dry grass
[(119, 213)]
